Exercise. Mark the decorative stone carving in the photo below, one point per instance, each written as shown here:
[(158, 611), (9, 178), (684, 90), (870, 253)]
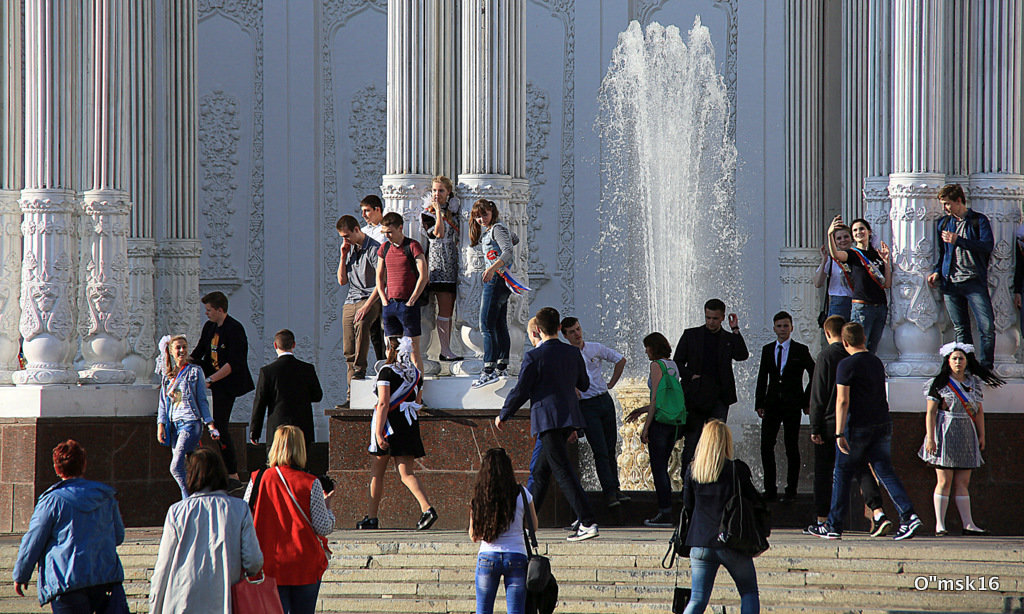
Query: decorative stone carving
[(367, 133), (538, 127), (178, 307), (336, 13), (10, 283), (141, 309), (218, 157)]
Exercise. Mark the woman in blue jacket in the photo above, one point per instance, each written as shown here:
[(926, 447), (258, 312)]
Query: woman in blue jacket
[(183, 406), (73, 537)]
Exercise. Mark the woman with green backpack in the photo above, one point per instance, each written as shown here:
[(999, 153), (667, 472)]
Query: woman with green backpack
[(666, 416)]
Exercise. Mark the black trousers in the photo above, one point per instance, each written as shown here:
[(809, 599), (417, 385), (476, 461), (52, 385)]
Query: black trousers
[(554, 459), (222, 406), (824, 467), (789, 421), (377, 339)]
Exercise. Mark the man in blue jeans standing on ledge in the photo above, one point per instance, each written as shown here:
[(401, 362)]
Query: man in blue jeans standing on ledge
[(863, 436), (964, 244)]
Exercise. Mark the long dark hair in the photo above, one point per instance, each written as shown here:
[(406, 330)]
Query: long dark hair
[(474, 227), (494, 496), (973, 367)]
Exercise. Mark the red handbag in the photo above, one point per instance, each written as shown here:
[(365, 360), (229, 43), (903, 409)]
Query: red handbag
[(256, 596)]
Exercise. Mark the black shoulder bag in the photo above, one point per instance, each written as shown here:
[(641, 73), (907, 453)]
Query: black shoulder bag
[(541, 587), (823, 314), (746, 521), (677, 548)]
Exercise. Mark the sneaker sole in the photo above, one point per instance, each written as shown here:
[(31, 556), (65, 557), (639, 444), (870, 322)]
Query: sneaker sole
[(579, 538), (882, 529), (477, 386), (832, 536), (658, 525)]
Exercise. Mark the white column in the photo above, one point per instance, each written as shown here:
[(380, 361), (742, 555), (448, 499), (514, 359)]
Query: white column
[(876, 100), (12, 169), (996, 182), (917, 141), (856, 54), (105, 229), (493, 153), (48, 198), (141, 247), (177, 254), (804, 187)]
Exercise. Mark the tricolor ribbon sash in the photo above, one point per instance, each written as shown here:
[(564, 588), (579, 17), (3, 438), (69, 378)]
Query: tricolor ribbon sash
[(515, 286), (972, 411), (870, 267)]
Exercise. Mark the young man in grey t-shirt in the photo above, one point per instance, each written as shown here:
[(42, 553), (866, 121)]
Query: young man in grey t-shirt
[(357, 268)]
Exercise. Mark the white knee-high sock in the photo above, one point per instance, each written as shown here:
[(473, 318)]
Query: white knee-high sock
[(444, 335), (963, 505), (941, 502)]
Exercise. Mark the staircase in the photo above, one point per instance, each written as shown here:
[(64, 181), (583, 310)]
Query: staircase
[(405, 572)]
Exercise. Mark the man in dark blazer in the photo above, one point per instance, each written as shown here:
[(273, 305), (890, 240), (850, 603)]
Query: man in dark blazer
[(285, 393), (823, 428), (223, 353), (779, 399), (704, 358), (549, 377)]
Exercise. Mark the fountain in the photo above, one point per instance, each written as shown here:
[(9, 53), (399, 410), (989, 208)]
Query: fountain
[(669, 240)]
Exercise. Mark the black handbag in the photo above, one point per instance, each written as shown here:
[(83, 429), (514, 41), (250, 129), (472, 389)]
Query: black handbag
[(746, 520), (823, 314), (538, 568), (677, 543)]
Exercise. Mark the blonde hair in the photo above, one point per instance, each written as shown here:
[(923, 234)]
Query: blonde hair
[(713, 449), (532, 326), (169, 363), (288, 449)]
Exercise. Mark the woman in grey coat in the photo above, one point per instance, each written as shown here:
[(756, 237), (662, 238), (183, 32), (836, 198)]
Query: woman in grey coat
[(208, 540)]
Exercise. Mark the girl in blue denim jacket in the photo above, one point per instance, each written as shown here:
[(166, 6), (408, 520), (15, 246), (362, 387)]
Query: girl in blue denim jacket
[(183, 408), (496, 242)]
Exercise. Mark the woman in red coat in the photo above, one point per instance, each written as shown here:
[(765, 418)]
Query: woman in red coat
[(291, 517)]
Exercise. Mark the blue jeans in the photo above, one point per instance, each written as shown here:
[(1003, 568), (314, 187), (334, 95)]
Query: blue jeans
[(299, 598), (704, 563), (188, 435), (661, 439), (494, 322), (868, 445), (840, 306), (602, 434), (490, 567), (99, 599), (972, 294), (872, 318)]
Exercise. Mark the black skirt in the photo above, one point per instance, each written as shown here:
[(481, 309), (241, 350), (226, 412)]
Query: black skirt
[(405, 438)]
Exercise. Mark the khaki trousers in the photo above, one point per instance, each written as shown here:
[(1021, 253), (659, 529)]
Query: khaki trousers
[(356, 338)]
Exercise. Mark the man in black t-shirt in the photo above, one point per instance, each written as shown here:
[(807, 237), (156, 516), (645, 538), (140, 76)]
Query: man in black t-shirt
[(863, 435)]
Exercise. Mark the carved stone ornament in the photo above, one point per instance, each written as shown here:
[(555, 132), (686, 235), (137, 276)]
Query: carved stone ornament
[(538, 127), (219, 131), (141, 309), (367, 134), (10, 284)]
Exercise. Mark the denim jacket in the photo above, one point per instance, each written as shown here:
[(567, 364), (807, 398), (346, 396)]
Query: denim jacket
[(192, 385), (497, 242), (73, 536)]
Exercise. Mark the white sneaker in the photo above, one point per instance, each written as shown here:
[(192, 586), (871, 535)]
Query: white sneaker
[(583, 532), (485, 379)]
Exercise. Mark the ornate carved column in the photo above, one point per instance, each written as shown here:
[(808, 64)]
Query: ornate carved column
[(105, 228), (48, 199), (178, 248), (996, 182), (918, 95), (804, 188), (493, 154), (878, 152), (141, 247), (421, 115), (12, 170)]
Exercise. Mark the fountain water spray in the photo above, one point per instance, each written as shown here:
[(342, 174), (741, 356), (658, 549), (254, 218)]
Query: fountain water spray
[(669, 239)]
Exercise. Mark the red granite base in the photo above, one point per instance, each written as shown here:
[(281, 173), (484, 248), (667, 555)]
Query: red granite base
[(120, 451), (455, 441)]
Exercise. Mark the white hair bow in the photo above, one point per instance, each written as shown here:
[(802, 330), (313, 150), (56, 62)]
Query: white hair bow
[(948, 349), (405, 347), (166, 339)]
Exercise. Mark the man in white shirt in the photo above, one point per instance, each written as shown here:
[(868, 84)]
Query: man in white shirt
[(372, 210), (598, 409)]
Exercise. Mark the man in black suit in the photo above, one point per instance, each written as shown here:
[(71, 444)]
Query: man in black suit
[(704, 358), (549, 377), (779, 398), (285, 393), (823, 426), (223, 353)]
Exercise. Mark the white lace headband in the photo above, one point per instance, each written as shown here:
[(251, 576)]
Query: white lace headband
[(947, 349)]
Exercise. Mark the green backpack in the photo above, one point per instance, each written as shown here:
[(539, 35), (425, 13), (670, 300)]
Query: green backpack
[(669, 403)]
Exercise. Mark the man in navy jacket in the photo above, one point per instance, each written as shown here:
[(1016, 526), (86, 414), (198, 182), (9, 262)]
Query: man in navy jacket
[(549, 377)]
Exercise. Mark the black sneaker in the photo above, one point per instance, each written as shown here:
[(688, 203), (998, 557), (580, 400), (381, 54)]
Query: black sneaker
[(824, 531), (622, 497), (368, 523), (908, 529), (808, 529), (881, 526), (662, 520), (427, 519)]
